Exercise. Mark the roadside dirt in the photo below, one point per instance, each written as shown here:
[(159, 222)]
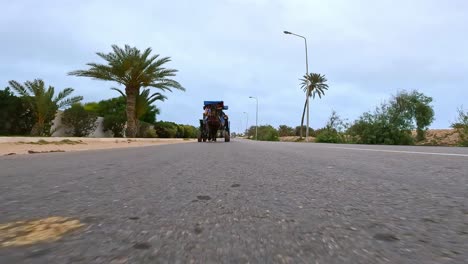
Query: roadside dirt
[(44, 146)]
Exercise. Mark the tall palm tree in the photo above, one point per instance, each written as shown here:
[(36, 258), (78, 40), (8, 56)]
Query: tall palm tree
[(133, 69), (144, 102), (313, 84), (42, 102)]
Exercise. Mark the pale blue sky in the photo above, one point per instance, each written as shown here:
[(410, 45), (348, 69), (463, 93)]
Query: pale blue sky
[(231, 49)]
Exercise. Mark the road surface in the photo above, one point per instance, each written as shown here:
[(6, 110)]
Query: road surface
[(243, 202)]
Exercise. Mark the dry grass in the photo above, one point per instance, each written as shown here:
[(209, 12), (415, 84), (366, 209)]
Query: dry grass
[(440, 137), (62, 142), (22, 233), (296, 139)]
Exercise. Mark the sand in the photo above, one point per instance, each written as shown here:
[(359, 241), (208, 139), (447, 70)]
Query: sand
[(20, 146)]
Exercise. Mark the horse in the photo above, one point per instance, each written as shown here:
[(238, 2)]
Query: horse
[(212, 125)]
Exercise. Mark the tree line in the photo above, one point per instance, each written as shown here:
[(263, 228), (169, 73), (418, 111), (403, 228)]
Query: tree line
[(29, 108), (390, 123)]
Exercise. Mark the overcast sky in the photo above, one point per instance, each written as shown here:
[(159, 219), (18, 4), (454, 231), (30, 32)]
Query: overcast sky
[(232, 49)]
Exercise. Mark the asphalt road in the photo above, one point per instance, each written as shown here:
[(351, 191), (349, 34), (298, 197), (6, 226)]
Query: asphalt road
[(243, 202)]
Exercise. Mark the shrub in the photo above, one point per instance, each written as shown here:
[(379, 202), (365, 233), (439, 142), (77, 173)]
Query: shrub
[(190, 131), (16, 117), (166, 129), (333, 132), (114, 123), (79, 122), (297, 131), (285, 131), (267, 133), (461, 125), (414, 107), (144, 130), (383, 126), (391, 123)]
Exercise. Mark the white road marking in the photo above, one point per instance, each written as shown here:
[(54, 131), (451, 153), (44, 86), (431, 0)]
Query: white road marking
[(403, 151)]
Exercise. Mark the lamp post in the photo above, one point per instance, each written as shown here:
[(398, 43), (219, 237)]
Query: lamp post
[(307, 73), (256, 118), (247, 121)]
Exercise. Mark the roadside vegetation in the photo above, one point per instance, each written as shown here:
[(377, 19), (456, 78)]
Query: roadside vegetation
[(30, 108), (461, 126), (402, 120)]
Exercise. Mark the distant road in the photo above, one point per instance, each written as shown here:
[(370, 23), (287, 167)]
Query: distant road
[(243, 202)]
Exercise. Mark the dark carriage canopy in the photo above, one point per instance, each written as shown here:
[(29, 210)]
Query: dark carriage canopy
[(219, 104)]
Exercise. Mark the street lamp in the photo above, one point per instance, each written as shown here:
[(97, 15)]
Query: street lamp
[(256, 118), (246, 122), (307, 73)]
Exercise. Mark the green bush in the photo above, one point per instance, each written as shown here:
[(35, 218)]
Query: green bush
[(114, 123), (391, 123), (414, 107), (16, 117), (297, 131), (329, 136), (333, 132), (190, 131), (381, 127), (166, 129), (78, 121), (286, 131), (145, 130), (461, 125), (265, 133), (113, 112)]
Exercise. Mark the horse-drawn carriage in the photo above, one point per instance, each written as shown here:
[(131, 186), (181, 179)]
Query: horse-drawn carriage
[(214, 123)]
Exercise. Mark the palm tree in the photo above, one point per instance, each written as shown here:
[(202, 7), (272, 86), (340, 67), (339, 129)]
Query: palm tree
[(42, 102), (133, 69), (313, 84), (144, 102)]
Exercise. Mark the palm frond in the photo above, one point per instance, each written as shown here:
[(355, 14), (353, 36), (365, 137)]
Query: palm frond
[(69, 101), (156, 97), (119, 91), (314, 84), (134, 69), (17, 87), (64, 93), (167, 84)]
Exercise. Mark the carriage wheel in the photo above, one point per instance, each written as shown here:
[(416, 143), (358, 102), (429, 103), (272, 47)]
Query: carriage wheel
[(227, 137)]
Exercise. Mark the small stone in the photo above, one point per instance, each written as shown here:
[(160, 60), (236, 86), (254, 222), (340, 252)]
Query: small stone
[(386, 237), (134, 218), (198, 230), (235, 185), (39, 253), (121, 260), (203, 197), (142, 245), (428, 220)]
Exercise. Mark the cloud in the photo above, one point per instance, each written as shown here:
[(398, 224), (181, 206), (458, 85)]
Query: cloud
[(228, 50)]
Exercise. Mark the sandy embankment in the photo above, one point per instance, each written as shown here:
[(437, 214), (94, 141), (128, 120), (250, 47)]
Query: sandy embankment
[(32, 145)]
